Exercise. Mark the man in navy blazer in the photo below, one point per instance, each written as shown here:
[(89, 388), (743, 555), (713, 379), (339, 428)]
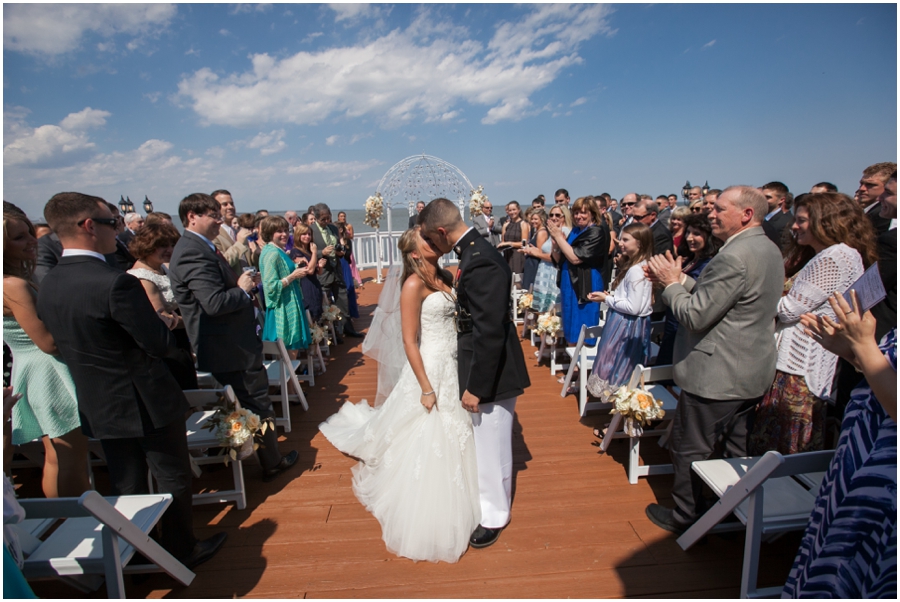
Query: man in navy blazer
[(113, 342), (220, 321)]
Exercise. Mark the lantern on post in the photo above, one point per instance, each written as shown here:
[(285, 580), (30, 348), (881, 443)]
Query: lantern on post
[(148, 205)]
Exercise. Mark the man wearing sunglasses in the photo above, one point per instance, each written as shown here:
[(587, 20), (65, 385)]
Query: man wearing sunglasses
[(113, 342), (627, 204)]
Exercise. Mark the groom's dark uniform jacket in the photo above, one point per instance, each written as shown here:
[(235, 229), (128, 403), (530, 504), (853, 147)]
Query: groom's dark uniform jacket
[(491, 363)]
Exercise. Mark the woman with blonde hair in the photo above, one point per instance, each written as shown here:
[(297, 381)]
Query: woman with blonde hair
[(48, 409), (676, 224), (832, 244), (417, 472)]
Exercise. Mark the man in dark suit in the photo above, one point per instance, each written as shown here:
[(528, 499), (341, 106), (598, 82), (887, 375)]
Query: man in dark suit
[(492, 370), (415, 216), (724, 357), (220, 321), (133, 223), (779, 217), (326, 236), (871, 187), (50, 250), (113, 343), (645, 212)]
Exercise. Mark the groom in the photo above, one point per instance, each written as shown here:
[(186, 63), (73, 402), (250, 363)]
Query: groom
[(492, 370)]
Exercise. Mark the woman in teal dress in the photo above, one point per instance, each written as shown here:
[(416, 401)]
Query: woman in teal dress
[(48, 409), (285, 317)]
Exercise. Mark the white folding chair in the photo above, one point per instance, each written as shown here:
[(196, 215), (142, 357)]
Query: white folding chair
[(514, 294), (764, 495), (669, 404), (281, 369), (98, 539), (201, 440), (313, 355), (583, 356)]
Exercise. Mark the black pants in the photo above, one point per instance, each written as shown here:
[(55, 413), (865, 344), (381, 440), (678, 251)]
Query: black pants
[(164, 451), (252, 390), (337, 290), (705, 428)]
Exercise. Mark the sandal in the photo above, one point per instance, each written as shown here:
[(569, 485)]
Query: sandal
[(598, 433)]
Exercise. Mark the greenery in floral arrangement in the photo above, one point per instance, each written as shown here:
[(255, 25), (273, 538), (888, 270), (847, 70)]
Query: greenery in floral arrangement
[(236, 429)]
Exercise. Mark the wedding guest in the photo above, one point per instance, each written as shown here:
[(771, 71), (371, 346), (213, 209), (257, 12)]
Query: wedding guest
[(698, 207), (849, 549), (832, 245), (546, 291), (152, 248), (676, 224), (345, 229), (157, 217), (250, 257), (304, 254), (48, 409), (626, 336), (697, 248), (538, 221), (285, 315), (581, 257), (515, 230)]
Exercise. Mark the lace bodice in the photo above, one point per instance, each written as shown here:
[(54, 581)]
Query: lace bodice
[(160, 280), (438, 327), (834, 269)]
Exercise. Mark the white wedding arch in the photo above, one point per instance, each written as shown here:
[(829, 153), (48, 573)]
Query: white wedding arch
[(416, 178)]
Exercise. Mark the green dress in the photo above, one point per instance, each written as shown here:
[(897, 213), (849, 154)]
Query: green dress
[(285, 318), (48, 405)]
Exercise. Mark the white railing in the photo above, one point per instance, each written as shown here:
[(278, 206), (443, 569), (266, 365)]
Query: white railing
[(379, 249)]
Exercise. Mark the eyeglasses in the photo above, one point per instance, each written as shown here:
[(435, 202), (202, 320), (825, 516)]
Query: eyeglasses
[(556, 215), (106, 221), (639, 216), (627, 204), (696, 209)]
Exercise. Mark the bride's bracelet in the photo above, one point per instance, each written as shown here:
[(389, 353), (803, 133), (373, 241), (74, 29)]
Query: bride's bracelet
[(429, 393)]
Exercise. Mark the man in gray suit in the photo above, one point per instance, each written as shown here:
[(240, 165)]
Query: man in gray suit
[(486, 226), (725, 354), (219, 318)]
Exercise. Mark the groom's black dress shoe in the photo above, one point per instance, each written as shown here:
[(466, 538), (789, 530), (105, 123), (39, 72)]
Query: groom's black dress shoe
[(664, 518), (482, 537), (287, 461), (354, 334), (204, 550)]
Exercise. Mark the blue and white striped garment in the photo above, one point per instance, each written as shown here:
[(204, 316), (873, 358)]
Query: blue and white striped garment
[(849, 549)]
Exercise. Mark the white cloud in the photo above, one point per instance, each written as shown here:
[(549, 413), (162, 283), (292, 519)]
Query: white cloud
[(268, 144), (48, 30), (708, 45), (579, 101), (311, 37), (335, 167), (423, 72), (224, 32), (331, 140), (238, 9), (350, 12), (50, 145)]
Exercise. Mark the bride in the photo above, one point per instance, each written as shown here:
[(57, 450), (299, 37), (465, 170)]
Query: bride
[(417, 473)]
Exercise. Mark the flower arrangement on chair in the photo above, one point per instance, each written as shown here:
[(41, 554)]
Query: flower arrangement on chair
[(374, 209), (236, 429), (331, 314), (549, 326), (319, 334), (638, 407), (525, 301), (476, 201)]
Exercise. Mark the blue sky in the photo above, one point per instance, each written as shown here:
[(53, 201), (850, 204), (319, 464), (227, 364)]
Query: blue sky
[(286, 105)]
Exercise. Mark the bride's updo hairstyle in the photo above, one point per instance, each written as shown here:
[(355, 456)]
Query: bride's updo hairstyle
[(408, 244)]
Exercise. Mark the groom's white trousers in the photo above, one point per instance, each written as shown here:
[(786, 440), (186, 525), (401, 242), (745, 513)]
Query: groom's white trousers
[(493, 425)]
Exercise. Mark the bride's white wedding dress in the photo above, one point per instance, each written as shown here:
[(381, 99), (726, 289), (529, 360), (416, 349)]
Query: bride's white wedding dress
[(417, 473)]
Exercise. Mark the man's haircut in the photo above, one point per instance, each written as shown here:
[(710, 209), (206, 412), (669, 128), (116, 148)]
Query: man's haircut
[(198, 203), (650, 206), (113, 208), (321, 210), (538, 200), (788, 201), (157, 217), (216, 193), (749, 196), (665, 198), (776, 187), (882, 171), (828, 186), (439, 213), (561, 191), (130, 217), (606, 196), (714, 191), (65, 209)]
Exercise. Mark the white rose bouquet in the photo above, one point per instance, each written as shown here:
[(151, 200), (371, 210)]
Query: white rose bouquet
[(374, 209), (476, 201), (638, 407), (236, 429), (549, 324), (331, 313), (319, 334)]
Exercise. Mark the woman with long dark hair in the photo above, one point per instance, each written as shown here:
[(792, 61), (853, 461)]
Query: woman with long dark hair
[(48, 409), (832, 244)]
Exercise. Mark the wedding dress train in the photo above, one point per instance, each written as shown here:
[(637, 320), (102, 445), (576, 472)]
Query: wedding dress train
[(417, 473)]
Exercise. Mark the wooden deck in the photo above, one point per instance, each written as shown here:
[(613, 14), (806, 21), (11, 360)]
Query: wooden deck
[(578, 528)]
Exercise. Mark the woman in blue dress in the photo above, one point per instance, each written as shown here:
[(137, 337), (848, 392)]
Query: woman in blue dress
[(546, 288), (581, 257)]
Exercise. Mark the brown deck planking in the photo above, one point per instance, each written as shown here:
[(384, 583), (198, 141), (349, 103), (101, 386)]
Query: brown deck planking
[(578, 528)]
